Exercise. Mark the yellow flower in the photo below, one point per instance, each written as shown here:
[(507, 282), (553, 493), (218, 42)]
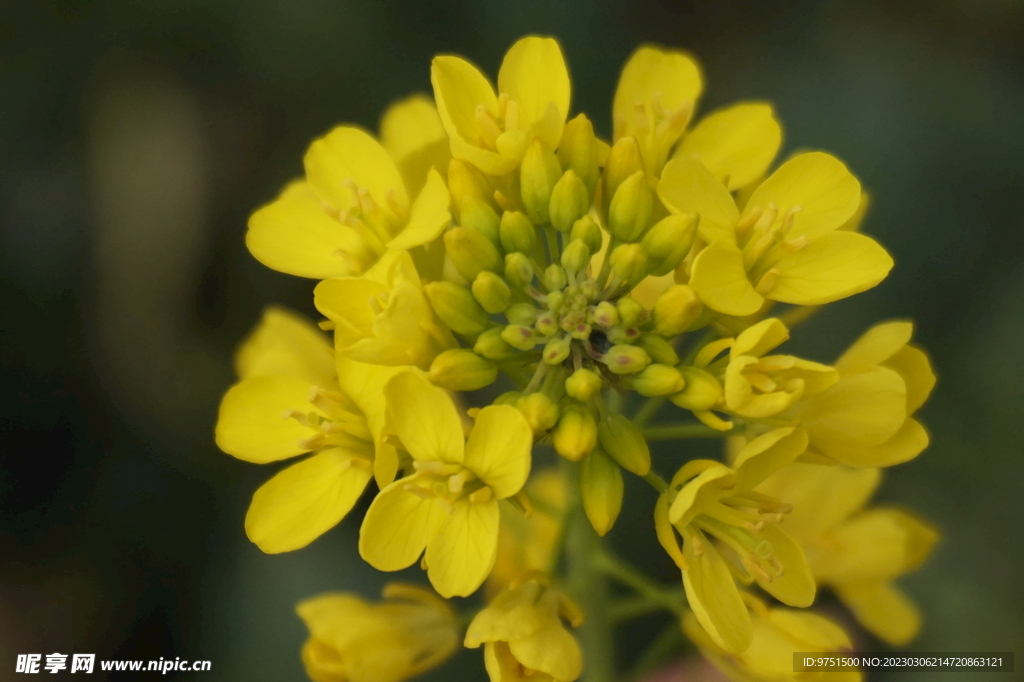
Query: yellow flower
[(354, 202), (865, 420), (289, 402), (492, 131), (776, 634), (856, 552), (709, 498), (525, 543), (383, 317), (523, 635), (785, 245), (351, 640), (449, 505)]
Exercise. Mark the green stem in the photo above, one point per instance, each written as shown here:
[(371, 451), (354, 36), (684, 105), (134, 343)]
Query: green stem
[(606, 267), (681, 431), (655, 479), (635, 579), (647, 411)]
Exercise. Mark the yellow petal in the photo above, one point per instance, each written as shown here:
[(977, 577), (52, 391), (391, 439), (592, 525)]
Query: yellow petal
[(829, 268), (294, 234), (346, 301), (349, 155), (760, 338), (913, 365), (253, 424), (286, 344), (866, 409), (766, 454), (686, 186), (501, 665), (795, 586), (397, 527), (304, 501), (714, 598), (810, 629), (704, 489), (878, 544), (511, 615), (405, 333), (669, 77), (412, 132), (551, 650), (428, 217), (498, 449), (534, 74), (817, 184), (719, 279), (822, 496), (462, 552), (882, 608), (666, 534), (334, 617), (736, 143), (905, 445), (424, 418), (875, 346), (365, 383)]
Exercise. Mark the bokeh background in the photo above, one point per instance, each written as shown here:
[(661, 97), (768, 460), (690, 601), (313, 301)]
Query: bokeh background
[(136, 137)]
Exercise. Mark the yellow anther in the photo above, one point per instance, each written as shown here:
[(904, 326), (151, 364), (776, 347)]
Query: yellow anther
[(748, 222), (698, 546), (428, 467), (360, 463), (767, 217), (312, 442), (400, 212), (482, 495), (787, 221), (489, 129), (418, 491), (767, 282), (504, 99), (794, 245), (511, 116), (456, 482), (761, 382)]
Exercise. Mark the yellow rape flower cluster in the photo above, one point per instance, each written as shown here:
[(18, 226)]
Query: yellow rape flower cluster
[(507, 290)]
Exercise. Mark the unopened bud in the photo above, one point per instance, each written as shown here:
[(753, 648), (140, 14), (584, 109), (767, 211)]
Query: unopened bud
[(478, 215), (606, 314), (460, 369), (576, 433), (464, 180), (626, 359), (622, 334), (537, 177), (586, 229), (629, 263), (631, 207), (668, 242), (589, 289), (546, 324), (630, 311), (583, 384), (601, 488), (702, 391), (658, 380), (578, 151), (569, 201), (557, 350), (624, 160), (519, 336), (576, 256), (659, 349), (517, 233), (491, 292), (455, 306), (555, 278), (471, 252), (508, 398), (540, 411), (555, 300), (522, 313), (675, 310), (518, 270), (491, 346), (621, 439)]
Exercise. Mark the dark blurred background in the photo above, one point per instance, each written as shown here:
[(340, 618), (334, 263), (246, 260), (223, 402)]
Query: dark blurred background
[(136, 137)]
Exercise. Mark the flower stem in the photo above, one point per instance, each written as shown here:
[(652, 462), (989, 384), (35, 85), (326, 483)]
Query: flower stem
[(647, 411), (590, 590), (680, 431), (635, 579)]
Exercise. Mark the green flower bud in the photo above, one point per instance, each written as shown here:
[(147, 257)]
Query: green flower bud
[(576, 256), (557, 350), (583, 384), (606, 314), (471, 252), (517, 233), (590, 290), (624, 160), (518, 270), (675, 310), (630, 311), (658, 348), (555, 278), (537, 177), (580, 331), (479, 216), (460, 369), (621, 439), (508, 398), (702, 391), (631, 207), (658, 380), (623, 359), (623, 334), (519, 336), (576, 433), (668, 242), (491, 292), (464, 180), (569, 201), (586, 229), (601, 488), (578, 151), (540, 411), (455, 306), (491, 346), (522, 313), (555, 300), (629, 263)]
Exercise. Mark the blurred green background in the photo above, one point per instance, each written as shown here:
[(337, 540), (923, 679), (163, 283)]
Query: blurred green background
[(136, 137)]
